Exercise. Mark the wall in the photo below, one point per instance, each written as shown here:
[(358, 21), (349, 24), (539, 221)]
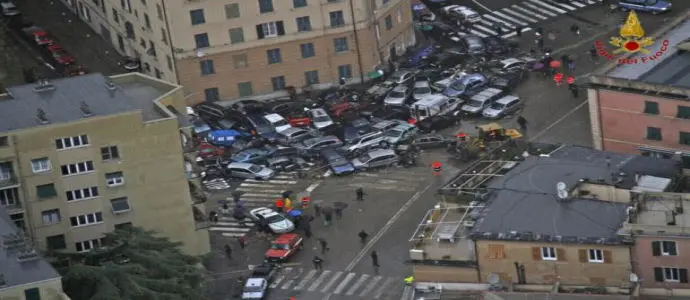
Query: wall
[(569, 268), (50, 290), (644, 261), (423, 273), (603, 192)]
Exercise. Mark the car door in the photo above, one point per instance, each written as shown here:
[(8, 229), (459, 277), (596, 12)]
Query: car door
[(421, 143), (375, 162), (434, 141), (388, 160)]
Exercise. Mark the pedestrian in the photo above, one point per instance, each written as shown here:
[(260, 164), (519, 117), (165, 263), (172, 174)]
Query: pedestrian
[(518, 31), (363, 236), (279, 205), (565, 59), (375, 259), (538, 31), (327, 217), (317, 210), (324, 245), (338, 212), (213, 216), (522, 122), (436, 168), (263, 226), (574, 90), (307, 232), (342, 81), (360, 194), (575, 29), (228, 251), (242, 241), (318, 262), (540, 43), (571, 66), (497, 28), (225, 210)]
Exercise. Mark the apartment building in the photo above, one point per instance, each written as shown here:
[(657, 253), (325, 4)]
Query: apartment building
[(644, 108), (222, 50), (82, 156)]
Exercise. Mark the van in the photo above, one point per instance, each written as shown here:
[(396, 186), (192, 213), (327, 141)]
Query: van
[(278, 122), (474, 45), (8, 8), (480, 101), (502, 107), (652, 6)]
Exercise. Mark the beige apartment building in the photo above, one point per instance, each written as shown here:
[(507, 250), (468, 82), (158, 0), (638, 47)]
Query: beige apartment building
[(222, 50), (82, 156)]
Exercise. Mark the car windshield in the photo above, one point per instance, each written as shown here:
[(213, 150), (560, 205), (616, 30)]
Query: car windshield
[(279, 123), (651, 2), (422, 91), (280, 246), (458, 86), (255, 168), (394, 133), (252, 289), (396, 77), (338, 161), (322, 119), (310, 142), (364, 157), (263, 128), (397, 94), (475, 103), (497, 106), (421, 113), (275, 218)]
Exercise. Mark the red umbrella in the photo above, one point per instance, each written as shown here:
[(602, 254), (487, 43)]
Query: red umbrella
[(555, 64)]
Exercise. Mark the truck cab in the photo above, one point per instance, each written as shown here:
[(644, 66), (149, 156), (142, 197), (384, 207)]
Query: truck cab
[(431, 105)]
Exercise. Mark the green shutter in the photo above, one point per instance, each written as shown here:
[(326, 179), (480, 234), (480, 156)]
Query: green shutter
[(46, 191), (684, 138), (651, 107), (245, 89), (654, 133), (683, 112)]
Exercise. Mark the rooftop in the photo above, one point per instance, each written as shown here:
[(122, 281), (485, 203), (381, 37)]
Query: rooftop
[(442, 235), (31, 268), (528, 192), (659, 214), (74, 98)]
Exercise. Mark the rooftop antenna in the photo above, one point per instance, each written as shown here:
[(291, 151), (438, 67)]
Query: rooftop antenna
[(562, 190), (85, 109), (41, 116)]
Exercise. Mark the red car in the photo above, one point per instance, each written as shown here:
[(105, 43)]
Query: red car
[(38, 35), (207, 150), (60, 55), (283, 247)]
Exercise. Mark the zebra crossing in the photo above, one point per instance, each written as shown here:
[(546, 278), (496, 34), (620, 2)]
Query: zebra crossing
[(523, 15), (336, 282), (255, 193)]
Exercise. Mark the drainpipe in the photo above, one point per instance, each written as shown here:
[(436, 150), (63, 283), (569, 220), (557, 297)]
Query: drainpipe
[(359, 52), (170, 41), (476, 260)]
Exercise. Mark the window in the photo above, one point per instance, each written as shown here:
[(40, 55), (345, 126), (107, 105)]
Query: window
[(389, 22), (78, 168), (4, 141), (278, 83), (345, 71), (56, 242), (87, 246), (245, 89), (664, 248), (39, 165), (197, 16), (683, 112), (32, 294), (595, 256), (232, 11), (87, 219), (9, 197), (164, 39), (270, 29), (684, 138), (265, 6), (340, 44), (201, 40), (72, 142), (337, 18), (299, 3), (654, 133), (240, 61), (46, 191), (667, 274), (303, 24), (311, 77), (51, 216), (307, 50), (120, 205), (124, 226), (399, 14), (236, 35), (81, 194), (548, 253), (147, 21), (496, 252), (211, 94), (116, 17), (159, 11), (273, 56), (114, 179), (651, 107), (207, 67), (111, 152), (169, 60)]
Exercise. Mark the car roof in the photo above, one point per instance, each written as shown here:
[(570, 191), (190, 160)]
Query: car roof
[(380, 152), (320, 138), (330, 154), (403, 127), (419, 84), (257, 119), (400, 88), (274, 118), (252, 150), (318, 112), (240, 165), (511, 61), (507, 99), (286, 237), (254, 282), (292, 130)]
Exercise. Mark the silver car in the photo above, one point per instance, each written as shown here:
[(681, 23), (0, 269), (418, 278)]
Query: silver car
[(364, 142), (320, 118), (502, 107), (376, 159), (421, 89), (401, 77), (398, 96), (293, 135), (319, 143), (400, 133), (249, 171)]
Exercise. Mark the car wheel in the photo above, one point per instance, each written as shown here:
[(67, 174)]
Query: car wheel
[(384, 144)]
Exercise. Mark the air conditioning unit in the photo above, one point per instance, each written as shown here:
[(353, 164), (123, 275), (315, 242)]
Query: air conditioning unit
[(468, 224)]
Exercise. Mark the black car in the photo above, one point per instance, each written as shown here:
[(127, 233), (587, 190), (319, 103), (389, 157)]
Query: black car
[(445, 59), (498, 46), (434, 123), (388, 113), (213, 111), (248, 106), (506, 82), (430, 141)]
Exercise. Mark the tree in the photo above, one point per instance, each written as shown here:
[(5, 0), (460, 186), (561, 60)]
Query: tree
[(133, 264)]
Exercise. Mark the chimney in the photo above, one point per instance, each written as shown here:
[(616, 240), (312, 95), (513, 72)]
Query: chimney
[(41, 117), (43, 85), (85, 109)]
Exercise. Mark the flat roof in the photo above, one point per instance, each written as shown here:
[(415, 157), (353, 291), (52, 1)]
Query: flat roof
[(528, 192), (19, 273), (62, 103)]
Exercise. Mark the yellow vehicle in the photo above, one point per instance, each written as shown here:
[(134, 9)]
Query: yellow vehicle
[(496, 132)]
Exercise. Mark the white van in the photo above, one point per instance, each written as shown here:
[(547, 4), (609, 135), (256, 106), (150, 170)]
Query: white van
[(432, 105), (8, 8), (278, 122)]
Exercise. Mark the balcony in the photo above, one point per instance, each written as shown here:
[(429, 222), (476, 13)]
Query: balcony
[(9, 199), (7, 178)]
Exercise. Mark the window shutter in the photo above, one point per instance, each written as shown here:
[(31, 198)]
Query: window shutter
[(582, 253), (536, 253), (259, 32), (280, 28), (608, 256), (656, 248), (560, 254), (683, 273), (658, 274)]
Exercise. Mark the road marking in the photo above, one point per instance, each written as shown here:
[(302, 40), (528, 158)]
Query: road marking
[(519, 15), (287, 284), (481, 5), (302, 283), (318, 281), (265, 195), (227, 229), (499, 21), (557, 4), (313, 186), (383, 287), (371, 286), (272, 181), (472, 31), (546, 5), (244, 184), (280, 278), (343, 283), (284, 177), (502, 15), (385, 228), (485, 29), (514, 34), (541, 10), (332, 282), (515, 6), (578, 4), (359, 282), (559, 120), (231, 224)]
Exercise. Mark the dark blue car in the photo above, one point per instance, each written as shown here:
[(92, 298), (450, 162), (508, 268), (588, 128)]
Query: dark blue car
[(466, 86), (355, 129), (420, 56), (338, 164), (652, 6)]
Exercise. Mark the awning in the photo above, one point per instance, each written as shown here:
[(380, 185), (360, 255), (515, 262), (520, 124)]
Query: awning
[(375, 74)]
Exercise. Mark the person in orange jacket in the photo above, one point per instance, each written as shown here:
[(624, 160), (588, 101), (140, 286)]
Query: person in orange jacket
[(436, 168), (280, 204)]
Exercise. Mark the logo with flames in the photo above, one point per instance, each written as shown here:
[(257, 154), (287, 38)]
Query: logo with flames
[(631, 37)]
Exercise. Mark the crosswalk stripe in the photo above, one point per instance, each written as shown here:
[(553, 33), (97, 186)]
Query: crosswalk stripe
[(578, 4), (287, 284), (250, 189), (485, 29), (272, 181), (519, 15), (258, 185), (343, 283), (371, 286), (262, 195), (529, 12), (332, 282), (229, 229), (485, 22), (502, 15), (548, 6), (359, 282), (541, 10), (514, 34), (284, 177), (318, 281), (280, 278), (383, 287), (302, 283), (557, 4), (499, 21), (477, 33)]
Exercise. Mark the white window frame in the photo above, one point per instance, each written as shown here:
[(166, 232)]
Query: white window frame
[(50, 217), (83, 194), (81, 167), (595, 255), (40, 165), (664, 251), (669, 271), (115, 181), (270, 29), (129, 205), (5, 174), (548, 253), (73, 141), (90, 244), (95, 216)]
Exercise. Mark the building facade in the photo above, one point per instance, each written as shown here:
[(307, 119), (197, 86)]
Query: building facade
[(225, 50), (113, 159)]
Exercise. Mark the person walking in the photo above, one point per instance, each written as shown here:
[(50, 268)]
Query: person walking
[(571, 66), (574, 90), (594, 54), (518, 31), (575, 29), (363, 236), (375, 259), (327, 217), (228, 251), (317, 210), (242, 241), (324, 245), (280, 204), (338, 212), (360, 194), (307, 232), (522, 122), (318, 262)]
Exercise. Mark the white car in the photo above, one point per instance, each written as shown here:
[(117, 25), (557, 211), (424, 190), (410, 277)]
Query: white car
[(276, 222), (249, 171), (320, 118), (421, 89), (462, 13)]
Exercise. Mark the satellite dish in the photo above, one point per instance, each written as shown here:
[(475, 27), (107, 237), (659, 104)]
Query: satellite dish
[(494, 279), (561, 189), (633, 278)]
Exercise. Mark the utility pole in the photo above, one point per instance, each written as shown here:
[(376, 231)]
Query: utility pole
[(359, 52)]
